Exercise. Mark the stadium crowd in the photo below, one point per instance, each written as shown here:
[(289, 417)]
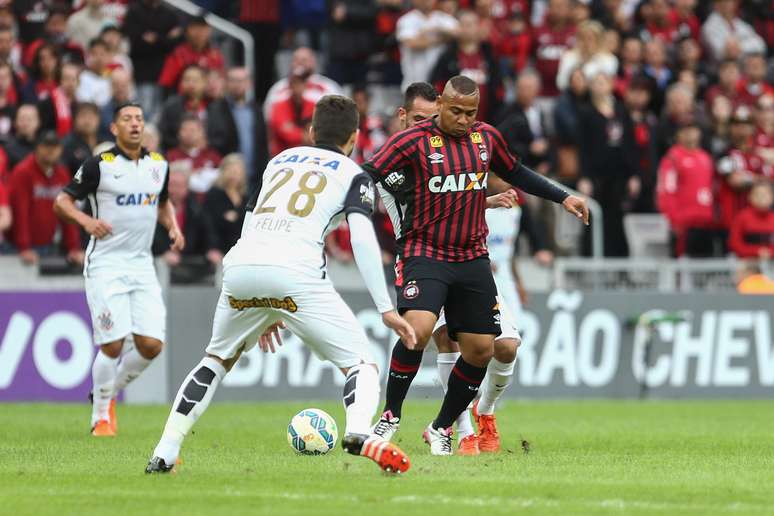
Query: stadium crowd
[(645, 105)]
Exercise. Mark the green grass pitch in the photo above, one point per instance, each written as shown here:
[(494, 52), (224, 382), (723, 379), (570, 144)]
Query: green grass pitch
[(585, 458)]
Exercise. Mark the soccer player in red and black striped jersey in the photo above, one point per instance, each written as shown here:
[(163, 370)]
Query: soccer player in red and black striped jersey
[(442, 255)]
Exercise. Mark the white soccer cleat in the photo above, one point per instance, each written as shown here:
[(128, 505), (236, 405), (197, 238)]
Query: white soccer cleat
[(440, 440), (386, 426)]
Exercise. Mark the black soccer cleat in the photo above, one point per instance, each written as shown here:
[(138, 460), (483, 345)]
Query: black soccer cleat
[(158, 465)]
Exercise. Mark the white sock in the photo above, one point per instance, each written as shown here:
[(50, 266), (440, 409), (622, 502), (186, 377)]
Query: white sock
[(191, 401), (498, 378), (131, 366), (445, 363), (103, 375), (361, 398)]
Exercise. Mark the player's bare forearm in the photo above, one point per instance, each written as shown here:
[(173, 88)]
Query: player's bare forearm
[(66, 210), (167, 215)]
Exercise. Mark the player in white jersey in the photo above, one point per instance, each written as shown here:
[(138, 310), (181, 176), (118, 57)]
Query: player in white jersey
[(419, 103), (276, 274), (127, 188)]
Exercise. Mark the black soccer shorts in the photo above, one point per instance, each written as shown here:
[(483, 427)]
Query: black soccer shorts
[(466, 291)]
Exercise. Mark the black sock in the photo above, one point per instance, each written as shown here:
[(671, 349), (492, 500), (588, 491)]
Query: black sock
[(403, 368), (464, 382)]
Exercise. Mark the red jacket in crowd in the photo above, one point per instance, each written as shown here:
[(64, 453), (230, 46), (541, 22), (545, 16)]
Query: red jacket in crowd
[(185, 55), (684, 191), (32, 202), (751, 231), (733, 201), (287, 124), (549, 44)]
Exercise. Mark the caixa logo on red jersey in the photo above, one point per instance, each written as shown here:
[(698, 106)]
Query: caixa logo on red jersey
[(458, 182), (137, 199)]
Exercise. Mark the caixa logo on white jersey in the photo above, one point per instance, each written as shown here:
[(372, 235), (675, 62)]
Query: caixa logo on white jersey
[(458, 182)]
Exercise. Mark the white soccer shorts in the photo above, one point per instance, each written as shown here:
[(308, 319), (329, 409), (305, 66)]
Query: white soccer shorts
[(508, 329), (121, 305), (256, 296)]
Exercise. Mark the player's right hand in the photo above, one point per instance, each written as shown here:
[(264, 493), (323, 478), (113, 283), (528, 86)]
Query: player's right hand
[(400, 326), (98, 228), (272, 334)]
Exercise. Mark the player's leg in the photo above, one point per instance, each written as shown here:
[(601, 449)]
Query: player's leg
[(324, 322), (108, 300), (234, 329), (473, 319), (421, 295), (448, 354)]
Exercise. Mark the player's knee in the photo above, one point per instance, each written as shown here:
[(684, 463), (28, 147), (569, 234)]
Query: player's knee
[(505, 350), (444, 343), (148, 348), (112, 349)]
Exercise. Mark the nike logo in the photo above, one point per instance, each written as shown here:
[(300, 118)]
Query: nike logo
[(116, 176), (499, 386)]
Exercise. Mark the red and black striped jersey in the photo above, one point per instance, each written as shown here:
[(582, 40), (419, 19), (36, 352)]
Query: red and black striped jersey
[(439, 184)]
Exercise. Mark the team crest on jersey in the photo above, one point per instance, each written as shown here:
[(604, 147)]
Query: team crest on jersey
[(155, 156), (484, 155), (108, 156), (436, 158), (411, 291), (105, 321), (475, 137), (156, 175), (436, 142), (367, 195)]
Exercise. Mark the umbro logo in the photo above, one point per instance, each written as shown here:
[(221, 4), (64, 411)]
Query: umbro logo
[(436, 158)]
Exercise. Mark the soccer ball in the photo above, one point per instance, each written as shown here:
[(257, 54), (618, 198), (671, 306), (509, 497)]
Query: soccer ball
[(312, 432)]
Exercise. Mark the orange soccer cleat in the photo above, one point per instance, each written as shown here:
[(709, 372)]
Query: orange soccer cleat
[(113, 418), (388, 456), (469, 445), (488, 436), (103, 429)]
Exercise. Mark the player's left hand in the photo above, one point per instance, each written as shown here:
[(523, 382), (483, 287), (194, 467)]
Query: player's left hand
[(578, 207), (507, 199), (177, 239), (272, 334)]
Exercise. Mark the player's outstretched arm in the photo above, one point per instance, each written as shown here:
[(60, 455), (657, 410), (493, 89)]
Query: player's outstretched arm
[(368, 258), (533, 183), (65, 209)]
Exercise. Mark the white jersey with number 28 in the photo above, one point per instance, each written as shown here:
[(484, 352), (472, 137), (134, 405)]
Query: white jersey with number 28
[(304, 194)]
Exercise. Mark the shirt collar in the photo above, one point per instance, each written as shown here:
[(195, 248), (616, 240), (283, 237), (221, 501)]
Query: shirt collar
[(328, 147), (118, 152)]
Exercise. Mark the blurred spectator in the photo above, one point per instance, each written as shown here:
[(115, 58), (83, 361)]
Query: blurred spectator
[(10, 49), (637, 100), (216, 85), (728, 84), (55, 33), (752, 230), (31, 16), (35, 182), (764, 136), (657, 70), (689, 59), (685, 195), (316, 87), (193, 156), (251, 128), (289, 120), (551, 40), (224, 206), (86, 24), (684, 19), (6, 216), (94, 81), (467, 55), (262, 19), (523, 125), (153, 32), (721, 111), (511, 39), (191, 219), (151, 139), (8, 100), (372, 133), (659, 22), (56, 109), (117, 48), (726, 36), (195, 49), (588, 53), (566, 126), (741, 167), (121, 91), (220, 128), (632, 52), (754, 84), (22, 142), (422, 33), (79, 144), (352, 39), (752, 281), (606, 149), (679, 105), (43, 73)]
